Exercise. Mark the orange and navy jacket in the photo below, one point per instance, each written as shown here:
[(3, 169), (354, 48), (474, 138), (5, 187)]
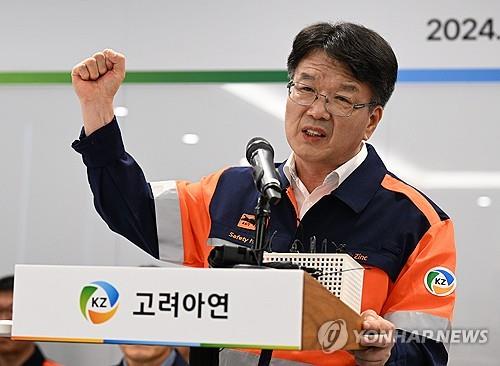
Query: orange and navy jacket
[(404, 241)]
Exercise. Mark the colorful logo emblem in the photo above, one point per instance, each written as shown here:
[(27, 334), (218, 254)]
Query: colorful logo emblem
[(99, 301), (440, 281)]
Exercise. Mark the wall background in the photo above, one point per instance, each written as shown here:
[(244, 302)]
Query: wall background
[(439, 136)]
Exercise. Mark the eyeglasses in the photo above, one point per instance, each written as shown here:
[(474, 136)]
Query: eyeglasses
[(339, 106)]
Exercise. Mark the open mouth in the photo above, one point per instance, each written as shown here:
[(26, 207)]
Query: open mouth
[(313, 132)]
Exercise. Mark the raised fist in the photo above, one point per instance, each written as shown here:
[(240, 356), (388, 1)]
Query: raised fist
[(99, 77), (96, 81)]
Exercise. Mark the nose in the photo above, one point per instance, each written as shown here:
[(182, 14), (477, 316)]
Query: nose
[(318, 110)]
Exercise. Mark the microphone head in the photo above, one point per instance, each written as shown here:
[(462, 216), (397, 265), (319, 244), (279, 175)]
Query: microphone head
[(255, 144)]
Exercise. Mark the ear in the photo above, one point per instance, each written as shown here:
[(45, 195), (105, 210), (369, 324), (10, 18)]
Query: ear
[(375, 117)]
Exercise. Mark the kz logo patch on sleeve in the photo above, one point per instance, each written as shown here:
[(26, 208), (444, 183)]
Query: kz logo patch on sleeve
[(440, 281)]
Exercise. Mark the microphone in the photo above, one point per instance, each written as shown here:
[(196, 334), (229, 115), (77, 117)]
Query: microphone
[(260, 155)]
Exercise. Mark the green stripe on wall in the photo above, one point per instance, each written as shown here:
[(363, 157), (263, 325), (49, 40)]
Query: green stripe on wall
[(237, 76)]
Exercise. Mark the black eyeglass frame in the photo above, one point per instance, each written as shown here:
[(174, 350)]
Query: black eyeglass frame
[(354, 106)]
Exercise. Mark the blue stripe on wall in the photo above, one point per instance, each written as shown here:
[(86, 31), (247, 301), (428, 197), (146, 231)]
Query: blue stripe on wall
[(448, 75)]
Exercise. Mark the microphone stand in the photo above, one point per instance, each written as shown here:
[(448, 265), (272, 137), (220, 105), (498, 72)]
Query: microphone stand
[(229, 257), (262, 213)]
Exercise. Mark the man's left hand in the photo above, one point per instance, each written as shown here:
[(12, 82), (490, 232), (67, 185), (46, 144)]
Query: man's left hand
[(378, 337)]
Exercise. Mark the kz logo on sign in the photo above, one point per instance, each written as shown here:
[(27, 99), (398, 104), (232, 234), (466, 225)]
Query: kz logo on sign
[(332, 335), (99, 302), (440, 281)]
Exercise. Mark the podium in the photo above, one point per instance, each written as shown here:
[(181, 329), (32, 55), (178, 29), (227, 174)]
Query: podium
[(224, 308)]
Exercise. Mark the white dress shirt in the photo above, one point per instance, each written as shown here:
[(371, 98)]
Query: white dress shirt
[(306, 199)]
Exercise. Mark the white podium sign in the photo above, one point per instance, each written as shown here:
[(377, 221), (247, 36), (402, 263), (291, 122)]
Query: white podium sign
[(170, 306)]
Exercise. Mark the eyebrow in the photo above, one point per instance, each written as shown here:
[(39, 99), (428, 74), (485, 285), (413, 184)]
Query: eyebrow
[(346, 86), (350, 87), (304, 76)]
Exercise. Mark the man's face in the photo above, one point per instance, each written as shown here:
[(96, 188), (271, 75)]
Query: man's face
[(145, 354), (6, 345), (318, 139)]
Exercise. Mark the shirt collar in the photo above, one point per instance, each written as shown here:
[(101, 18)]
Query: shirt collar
[(289, 168), (358, 187), (340, 174)]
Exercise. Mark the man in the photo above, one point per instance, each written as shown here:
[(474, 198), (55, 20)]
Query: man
[(16, 353), (140, 355), (336, 188)]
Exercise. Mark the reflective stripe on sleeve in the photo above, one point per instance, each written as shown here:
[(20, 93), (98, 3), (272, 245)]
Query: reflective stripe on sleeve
[(427, 325), (216, 242), (168, 221)]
